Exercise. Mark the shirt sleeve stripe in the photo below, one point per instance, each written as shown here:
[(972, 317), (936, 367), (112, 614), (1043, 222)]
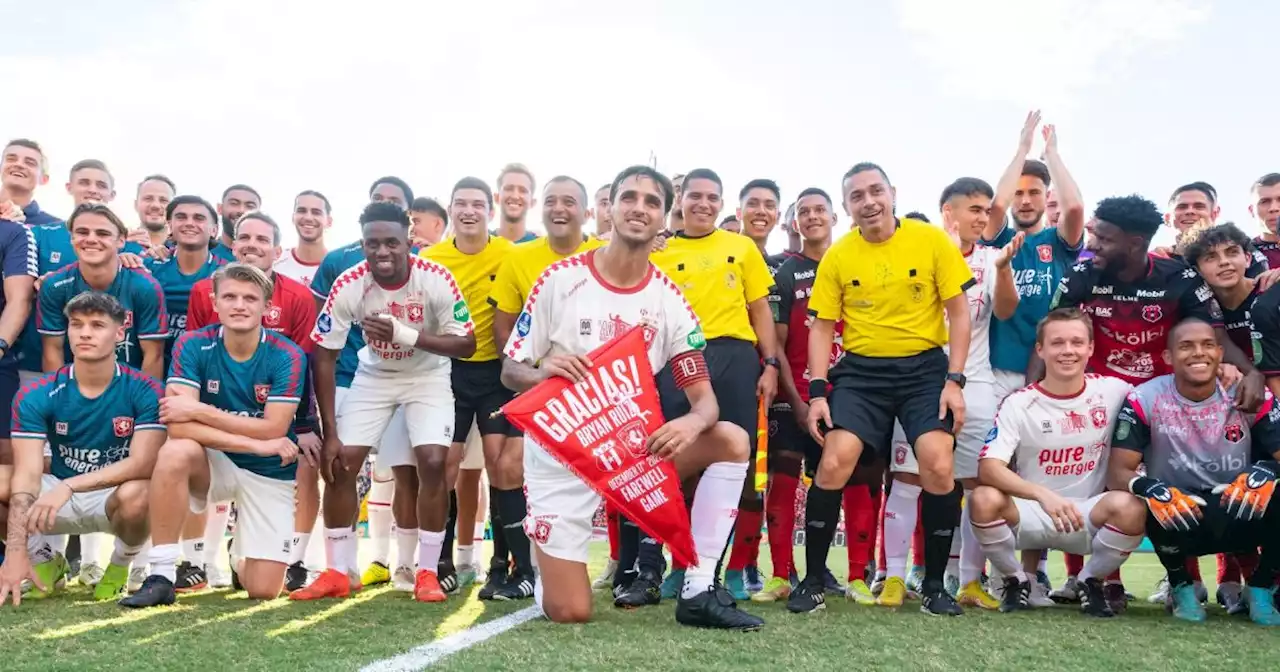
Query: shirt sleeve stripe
[(286, 400), (175, 380), (152, 337), (47, 332), (30, 435), (149, 426)]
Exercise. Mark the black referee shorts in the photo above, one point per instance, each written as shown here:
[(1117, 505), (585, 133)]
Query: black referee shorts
[(786, 433), (478, 392), (869, 393), (735, 369)]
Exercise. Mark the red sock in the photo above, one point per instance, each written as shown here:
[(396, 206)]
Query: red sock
[(1228, 569), (1115, 577), (1075, 564), (780, 507), (746, 532), (917, 541), (859, 528), (1193, 568), (612, 527), (880, 566)]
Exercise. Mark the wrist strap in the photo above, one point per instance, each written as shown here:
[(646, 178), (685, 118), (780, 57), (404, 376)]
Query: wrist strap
[(1139, 485)]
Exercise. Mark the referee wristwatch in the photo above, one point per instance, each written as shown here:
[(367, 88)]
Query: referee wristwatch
[(957, 378), (773, 361)]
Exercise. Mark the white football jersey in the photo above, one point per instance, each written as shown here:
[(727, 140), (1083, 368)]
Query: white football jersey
[(429, 301), (290, 266), (982, 262), (572, 310), (1060, 443)]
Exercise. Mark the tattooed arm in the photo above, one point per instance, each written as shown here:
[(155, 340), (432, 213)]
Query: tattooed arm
[(24, 488)]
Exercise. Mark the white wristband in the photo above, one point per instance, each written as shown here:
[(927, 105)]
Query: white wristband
[(404, 335)]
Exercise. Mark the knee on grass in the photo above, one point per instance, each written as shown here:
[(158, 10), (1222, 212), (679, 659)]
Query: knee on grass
[(567, 611)]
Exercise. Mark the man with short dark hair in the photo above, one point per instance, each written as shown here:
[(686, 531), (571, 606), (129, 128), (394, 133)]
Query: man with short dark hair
[(1265, 208), (90, 181), (311, 218), (428, 221), (155, 192), (415, 319), (1210, 470), (237, 199), (100, 418), (392, 189), (731, 224), (602, 211), (889, 281)]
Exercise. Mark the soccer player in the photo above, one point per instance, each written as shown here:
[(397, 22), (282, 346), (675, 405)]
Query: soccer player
[(232, 393), (1134, 298), (18, 270), (563, 215), (602, 210), (675, 220), (192, 221), (155, 192), (965, 205), (1043, 471), (618, 286), (382, 494), (415, 320), (90, 181), (97, 235), (289, 311), (473, 256), (757, 215), (1266, 209), (1222, 255), (1210, 470), (237, 199), (311, 219), (23, 168), (790, 446), (428, 221), (725, 278), (392, 189), (731, 224), (1195, 206), (100, 418), (889, 281), (515, 199)]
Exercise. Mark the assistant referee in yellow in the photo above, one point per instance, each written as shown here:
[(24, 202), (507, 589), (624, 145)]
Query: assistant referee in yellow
[(890, 281)]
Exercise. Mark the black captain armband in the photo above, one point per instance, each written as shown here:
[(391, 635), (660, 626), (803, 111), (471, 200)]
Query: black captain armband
[(689, 368), (818, 389)]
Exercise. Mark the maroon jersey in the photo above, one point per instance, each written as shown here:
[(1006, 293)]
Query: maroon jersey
[(792, 285), (1239, 324), (1132, 320), (1269, 249)]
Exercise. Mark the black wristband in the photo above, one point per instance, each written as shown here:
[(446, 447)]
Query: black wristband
[(1141, 485), (818, 388)]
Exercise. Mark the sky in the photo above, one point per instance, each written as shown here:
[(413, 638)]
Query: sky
[(290, 95)]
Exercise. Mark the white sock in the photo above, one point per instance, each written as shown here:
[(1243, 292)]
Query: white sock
[(466, 555), (715, 507), (215, 530), (1043, 565), (1109, 550), (972, 559), (122, 554), (407, 549), (339, 549), (39, 548), (380, 520), (429, 545), (193, 550), (144, 551), (299, 551), (164, 560), (91, 547), (479, 533), (58, 543), (999, 546), (901, 511)]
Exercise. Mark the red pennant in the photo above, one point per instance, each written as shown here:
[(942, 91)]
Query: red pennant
[(598, 429)]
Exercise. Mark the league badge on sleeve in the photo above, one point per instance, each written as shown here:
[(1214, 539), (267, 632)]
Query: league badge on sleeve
[(524, 323), (324, 323)]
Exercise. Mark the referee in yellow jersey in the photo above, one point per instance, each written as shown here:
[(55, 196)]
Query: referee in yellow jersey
[(890, 281)]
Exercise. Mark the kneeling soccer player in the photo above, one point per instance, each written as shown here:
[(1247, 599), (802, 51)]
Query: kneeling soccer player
[(232, 393), (1211, 470), (1057, 432), (101, 421), (617, 283)]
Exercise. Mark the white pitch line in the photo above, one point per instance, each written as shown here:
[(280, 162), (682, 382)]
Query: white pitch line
[(429, 654)]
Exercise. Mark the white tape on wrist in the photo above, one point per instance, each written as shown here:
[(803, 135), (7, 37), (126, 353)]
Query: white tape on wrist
[(404, 335)]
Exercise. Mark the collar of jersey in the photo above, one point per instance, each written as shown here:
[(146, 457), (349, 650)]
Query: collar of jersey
[(71, 371), (682, 234), (262, 334), (897, 224)]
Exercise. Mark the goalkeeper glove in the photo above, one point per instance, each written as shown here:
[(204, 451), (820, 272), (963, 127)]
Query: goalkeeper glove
[(1171, 507), (1248, 496)]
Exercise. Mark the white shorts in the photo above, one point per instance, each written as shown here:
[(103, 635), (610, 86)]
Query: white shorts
[(396, 434), (473, 450), (371, 403), (979, 415), (84, 513), (561, 506), (1008, 382), (264, 508), (1036, 530)]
